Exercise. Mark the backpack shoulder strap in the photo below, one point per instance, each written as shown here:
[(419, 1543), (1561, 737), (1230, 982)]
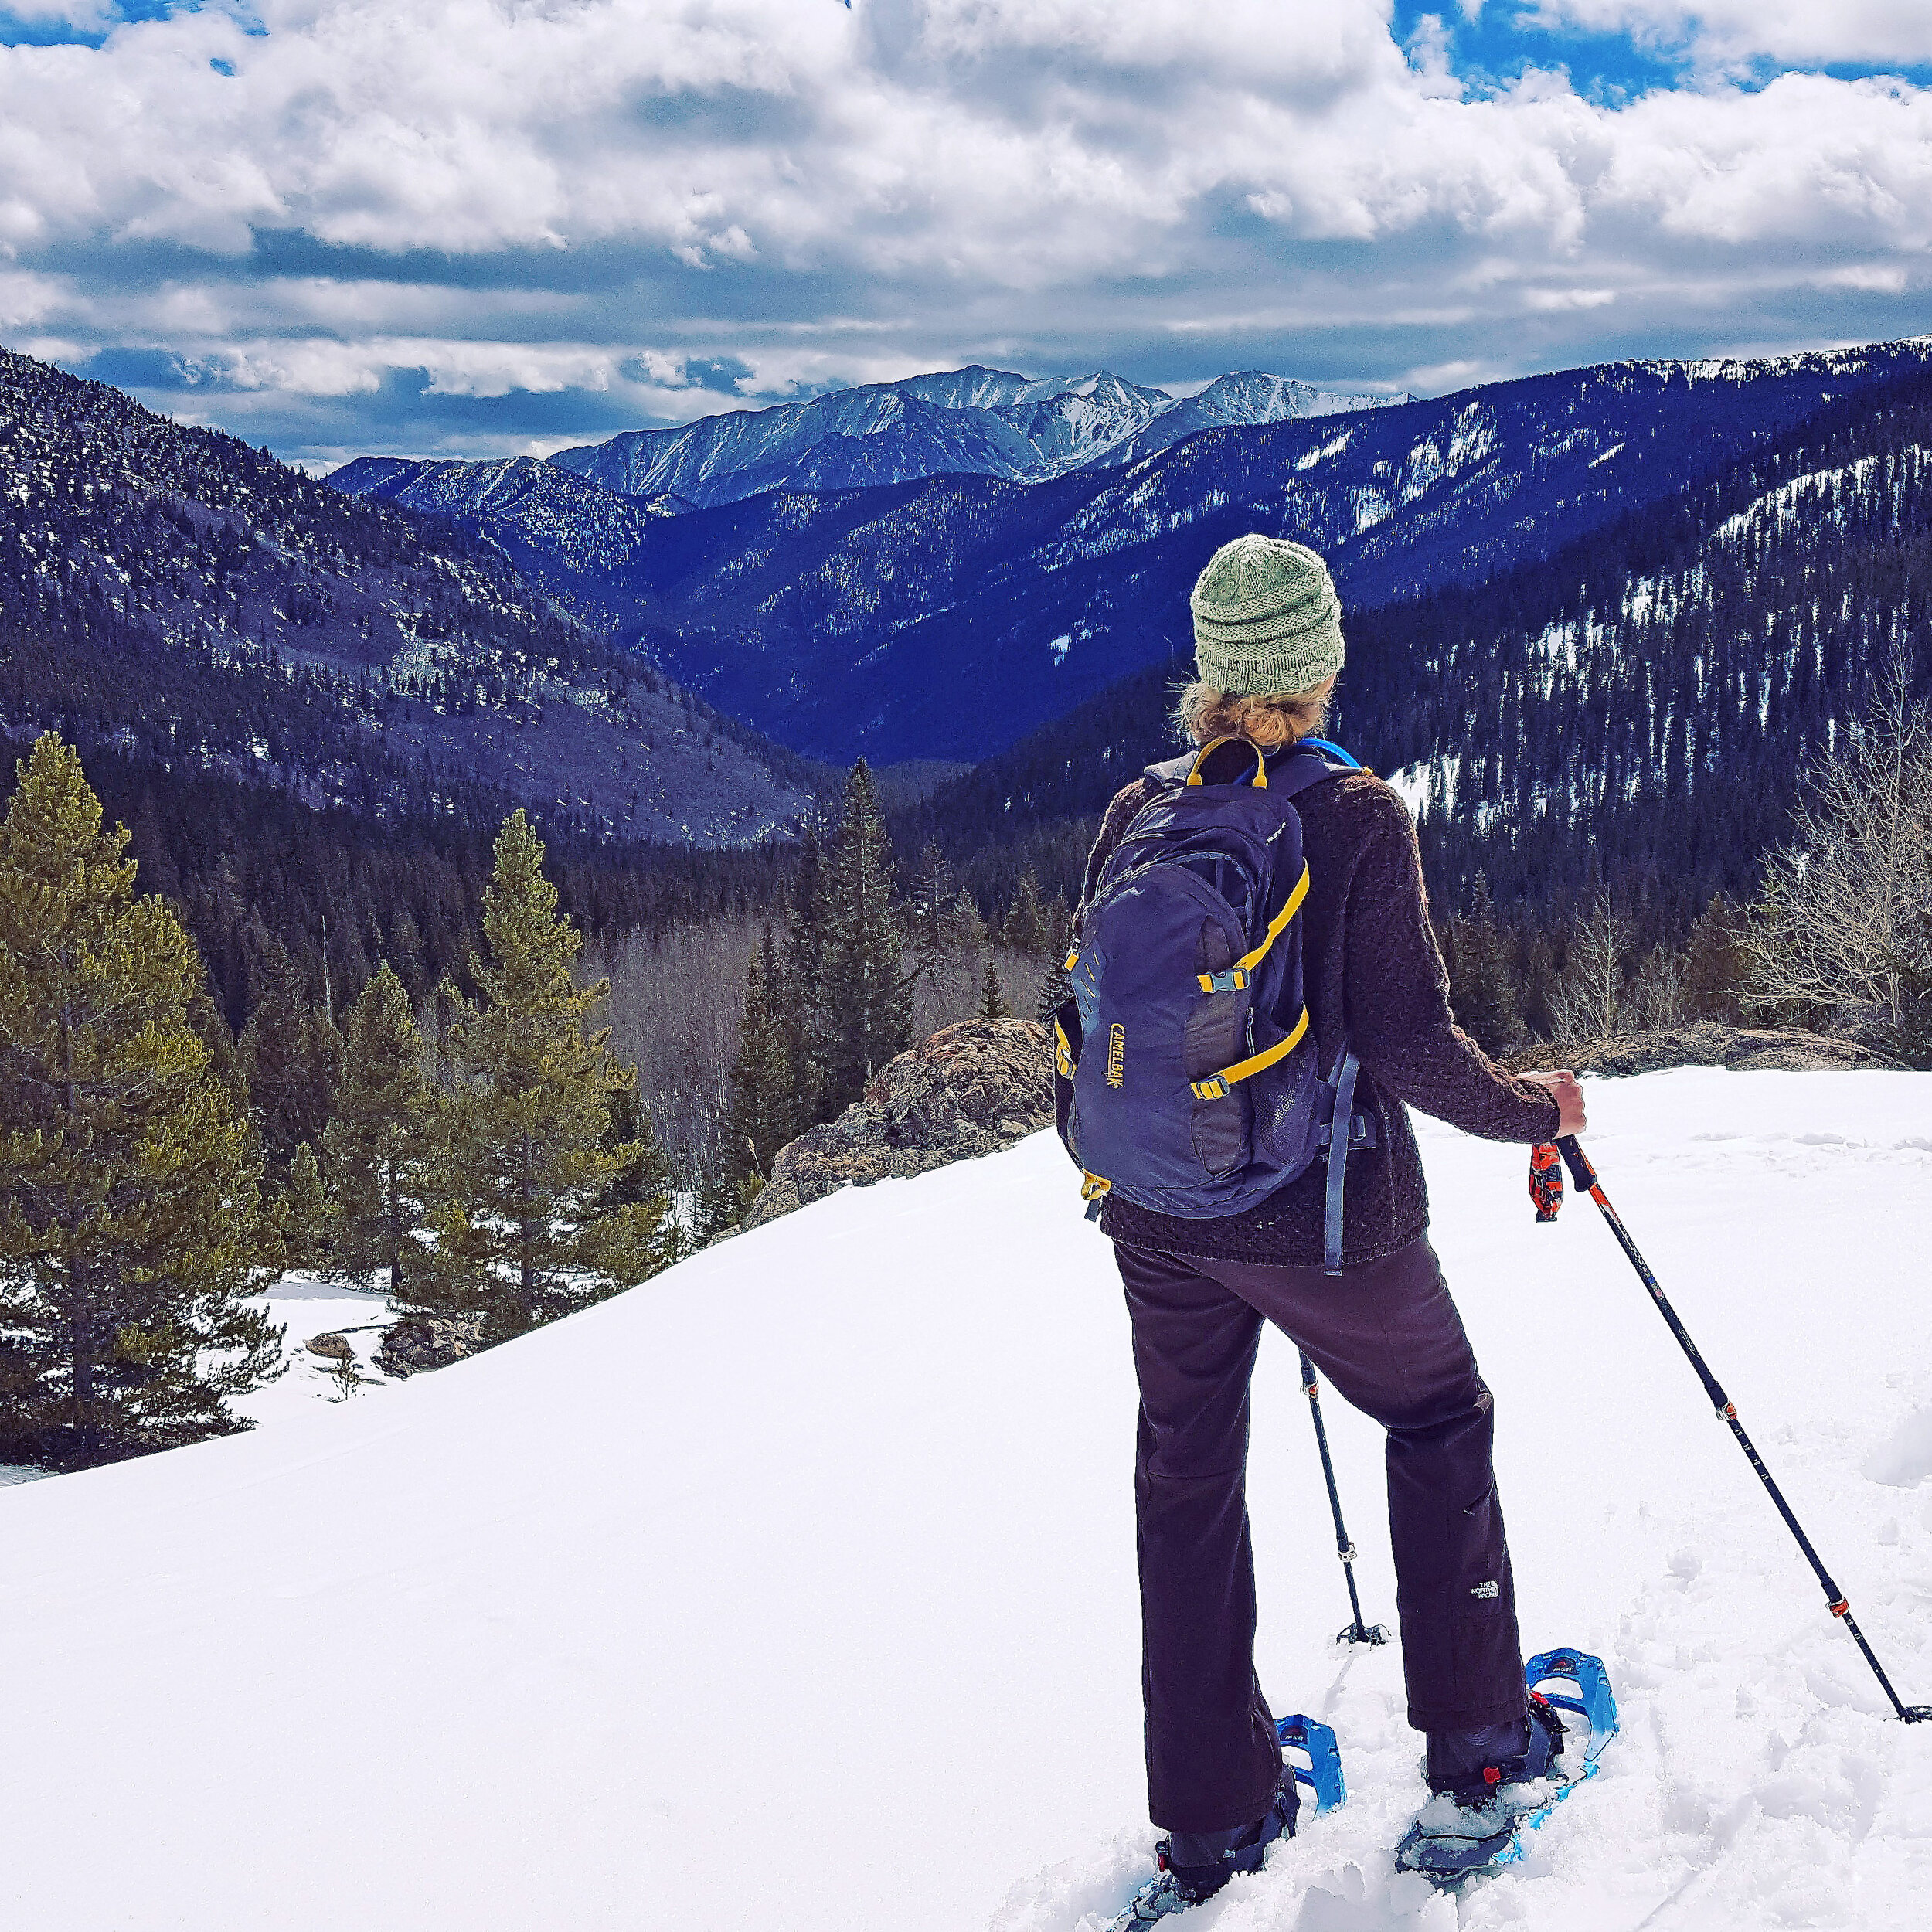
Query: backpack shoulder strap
[(1308, 761)]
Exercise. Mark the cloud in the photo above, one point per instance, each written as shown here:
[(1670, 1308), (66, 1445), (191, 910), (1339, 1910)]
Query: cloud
[(1729, 32), (387, 216)]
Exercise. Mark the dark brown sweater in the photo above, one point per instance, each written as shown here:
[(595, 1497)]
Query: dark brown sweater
[(1371, 968)]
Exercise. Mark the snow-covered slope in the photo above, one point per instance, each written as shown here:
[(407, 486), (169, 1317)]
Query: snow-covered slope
[(795, 1588), (1229, 401)]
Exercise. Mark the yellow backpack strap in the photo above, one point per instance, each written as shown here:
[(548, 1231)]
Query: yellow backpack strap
[(1213, 745), (1278, 925), (1063, 1053), (1238, 976), (1217, 1086)]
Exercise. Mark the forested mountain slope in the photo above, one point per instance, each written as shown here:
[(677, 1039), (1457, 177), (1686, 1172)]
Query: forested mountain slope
[(1636, 709), (574, 539), (948, 617), (195, 601)]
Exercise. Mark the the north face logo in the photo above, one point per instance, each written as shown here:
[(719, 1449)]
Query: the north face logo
[(1116, 1055), (1487, 1591)]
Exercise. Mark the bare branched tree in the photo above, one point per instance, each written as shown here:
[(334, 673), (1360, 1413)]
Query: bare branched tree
[(1843, 931), (1591, 1001), (1659, 998)]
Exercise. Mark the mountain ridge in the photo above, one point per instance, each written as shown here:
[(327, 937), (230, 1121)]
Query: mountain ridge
[(972, 421), (947, 616)]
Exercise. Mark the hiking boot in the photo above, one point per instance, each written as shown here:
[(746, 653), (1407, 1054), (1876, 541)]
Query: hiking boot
[(1474, 1767), (1183, 1884)]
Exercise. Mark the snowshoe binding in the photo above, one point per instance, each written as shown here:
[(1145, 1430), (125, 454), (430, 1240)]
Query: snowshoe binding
[(1473, 1824), (1175, 1886)]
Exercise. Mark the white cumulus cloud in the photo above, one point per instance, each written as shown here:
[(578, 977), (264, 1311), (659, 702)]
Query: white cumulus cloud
[(1793, 31), (551, 199)]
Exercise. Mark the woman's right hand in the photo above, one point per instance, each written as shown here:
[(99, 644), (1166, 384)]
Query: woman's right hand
[(1568, 1091)]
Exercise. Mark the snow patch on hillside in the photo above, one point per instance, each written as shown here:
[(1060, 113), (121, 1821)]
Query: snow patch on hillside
[(1805, 497)]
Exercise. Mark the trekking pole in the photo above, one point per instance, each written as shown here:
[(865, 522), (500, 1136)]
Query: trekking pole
[(1358, 1632), (1585, 1176)]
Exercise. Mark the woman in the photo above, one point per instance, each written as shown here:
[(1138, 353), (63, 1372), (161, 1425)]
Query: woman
[(1268, 648)]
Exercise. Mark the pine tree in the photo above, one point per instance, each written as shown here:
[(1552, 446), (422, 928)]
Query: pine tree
[(523, 1231), (966, 930), (381, 1138), (864, 1008), (1718, 969), (1027, 926), (930, 900), (291, 1055), (1536, 983), (1059, 930), (307, 1243), (1056, 989), (758, 1119), (992, 997), (131, 1234), (643, 1184), (1481, 991), (794, 991), (224, 1055), (718, 1201)]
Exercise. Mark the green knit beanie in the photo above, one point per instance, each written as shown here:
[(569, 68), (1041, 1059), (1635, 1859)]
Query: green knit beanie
[(1266, 618)]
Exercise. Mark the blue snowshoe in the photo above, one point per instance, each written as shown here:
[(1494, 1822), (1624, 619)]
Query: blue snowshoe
[(1176, 1886), (1475, 1822)]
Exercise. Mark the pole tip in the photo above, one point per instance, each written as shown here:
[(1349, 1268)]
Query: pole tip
[(1917, 1713)]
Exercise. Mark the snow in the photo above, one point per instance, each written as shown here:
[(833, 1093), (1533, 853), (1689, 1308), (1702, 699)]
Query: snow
[(795, 1588), (307, 1307)]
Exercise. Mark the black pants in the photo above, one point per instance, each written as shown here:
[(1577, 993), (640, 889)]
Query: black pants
[(1388, 1338)]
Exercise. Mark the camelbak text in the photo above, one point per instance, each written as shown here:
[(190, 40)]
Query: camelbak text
[(1116, 1056)]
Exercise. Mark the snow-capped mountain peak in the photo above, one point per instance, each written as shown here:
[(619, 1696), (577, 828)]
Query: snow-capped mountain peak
[(974, 421)]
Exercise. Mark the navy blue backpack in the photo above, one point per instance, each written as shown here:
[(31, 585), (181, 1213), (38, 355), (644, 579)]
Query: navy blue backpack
[(1188, 1081)]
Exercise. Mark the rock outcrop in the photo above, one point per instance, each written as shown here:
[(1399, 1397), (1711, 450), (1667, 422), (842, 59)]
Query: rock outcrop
[(1705, 1043), (973, 1088), (431, 1341)]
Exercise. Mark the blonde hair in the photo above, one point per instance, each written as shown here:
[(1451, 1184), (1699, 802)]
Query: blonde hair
[(1271, 719)]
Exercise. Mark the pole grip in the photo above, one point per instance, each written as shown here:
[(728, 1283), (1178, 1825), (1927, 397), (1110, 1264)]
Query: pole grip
[(1578, 1162)]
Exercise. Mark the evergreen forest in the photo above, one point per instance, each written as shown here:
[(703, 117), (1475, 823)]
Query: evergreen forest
[(326, 991)]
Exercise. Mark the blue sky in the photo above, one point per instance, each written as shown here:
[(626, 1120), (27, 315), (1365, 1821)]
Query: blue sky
[(472, 226)]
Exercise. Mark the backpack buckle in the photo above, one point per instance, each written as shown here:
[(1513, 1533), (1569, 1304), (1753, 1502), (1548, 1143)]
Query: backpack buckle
[(1213, 1088), (1235, 980)]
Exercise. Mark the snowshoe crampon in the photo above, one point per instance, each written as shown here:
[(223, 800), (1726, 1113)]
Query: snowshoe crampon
[(1573, 1715), (1307, 1738)]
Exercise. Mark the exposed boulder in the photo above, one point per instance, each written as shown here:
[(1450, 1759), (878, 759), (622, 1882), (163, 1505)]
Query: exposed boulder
[(428, 1341), (1705, 1043), (973, 1088), (331, 1347)]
